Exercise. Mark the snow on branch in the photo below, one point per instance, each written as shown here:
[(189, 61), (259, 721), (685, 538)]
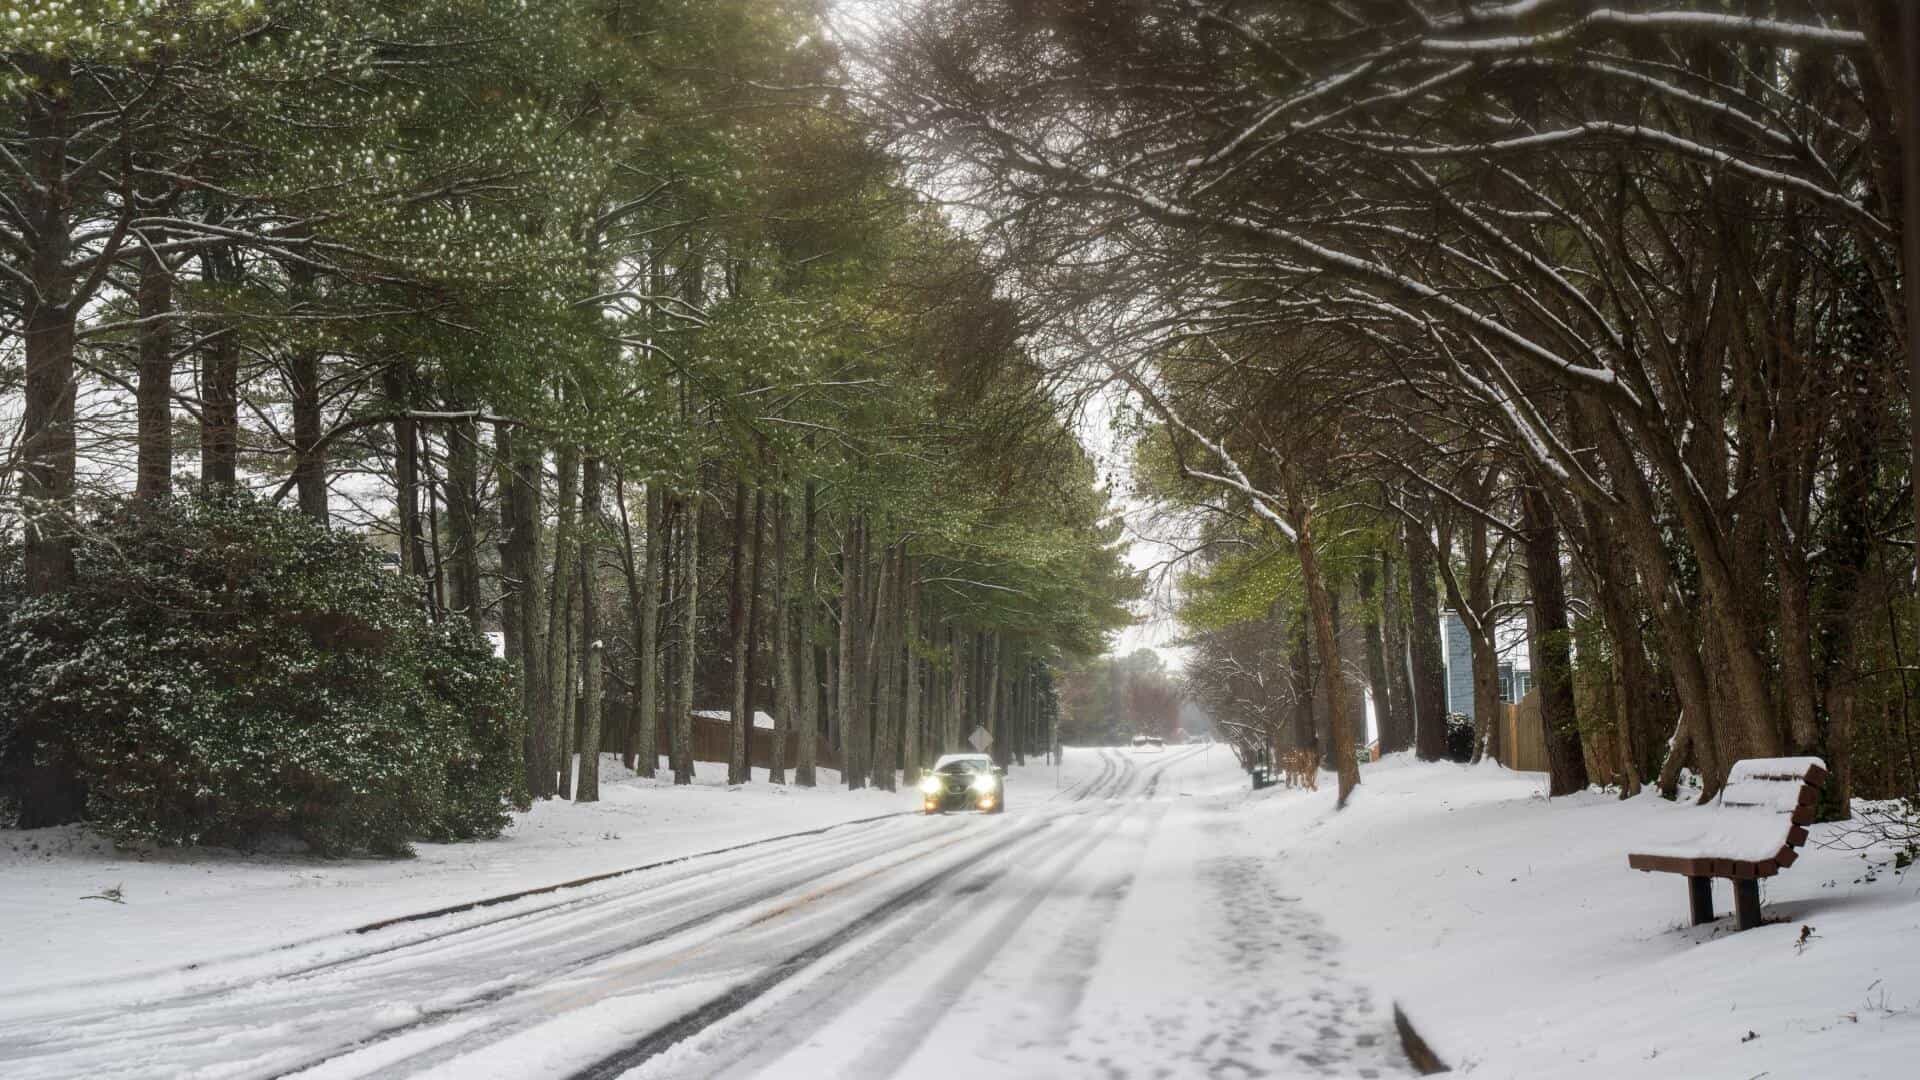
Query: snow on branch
[(1748, 28), (1637, 133)]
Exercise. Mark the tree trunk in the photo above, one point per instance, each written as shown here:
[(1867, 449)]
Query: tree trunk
[(759, 559), (1680, 634), (742, 716), (593, 648), (559, 606), (1396, 722), (220, 411), (689, 590), (47, 449), (910, 602), (805, 773), (850, 758), (886, 653), (1477, 609), (406, 478), (1301, 676), (1376, 650), (522, 463), (876, 749), (783, 700), (1553, 676), (990, 697), (569, 709), (154, 391), (957, 698), (1429, 698), (463, 521), (644, 742), (47, 437), (1345, 762)]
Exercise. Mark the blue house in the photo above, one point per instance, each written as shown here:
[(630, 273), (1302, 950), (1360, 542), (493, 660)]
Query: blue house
[(1516, 665)]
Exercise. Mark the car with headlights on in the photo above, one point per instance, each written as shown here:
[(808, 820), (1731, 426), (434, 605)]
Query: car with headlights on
[(964, 782)]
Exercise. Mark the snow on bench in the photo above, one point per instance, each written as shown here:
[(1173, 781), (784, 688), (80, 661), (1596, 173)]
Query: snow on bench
[(1750, 832)]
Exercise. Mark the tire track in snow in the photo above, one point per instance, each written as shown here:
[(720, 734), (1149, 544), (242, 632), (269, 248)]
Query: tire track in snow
[(742, 856), (322, 1004), (182, 1021), (870, 922), (901, 1039)]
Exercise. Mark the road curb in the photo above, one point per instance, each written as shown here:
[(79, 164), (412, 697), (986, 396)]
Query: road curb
[(1418, 1052), (507, 898)]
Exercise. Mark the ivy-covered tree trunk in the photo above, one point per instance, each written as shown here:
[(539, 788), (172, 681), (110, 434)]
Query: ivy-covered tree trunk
[(153, 392), (592, 649)]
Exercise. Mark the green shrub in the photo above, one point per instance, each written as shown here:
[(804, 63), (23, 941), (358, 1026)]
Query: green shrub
[(222, 671)]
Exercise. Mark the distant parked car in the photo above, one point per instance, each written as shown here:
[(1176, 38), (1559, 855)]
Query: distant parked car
[(964, 782), (1149, 742)]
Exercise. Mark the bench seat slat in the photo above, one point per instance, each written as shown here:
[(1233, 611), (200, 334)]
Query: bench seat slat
[(1779, 796), (1751, 830), (1800, 768)]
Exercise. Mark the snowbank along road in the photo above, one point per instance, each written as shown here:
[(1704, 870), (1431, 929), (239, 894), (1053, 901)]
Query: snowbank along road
[(1122, 925)]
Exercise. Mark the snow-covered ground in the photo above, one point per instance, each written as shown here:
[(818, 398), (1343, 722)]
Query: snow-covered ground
[(1115, 920), (1131, 914), (182, 907), (1521, 945)]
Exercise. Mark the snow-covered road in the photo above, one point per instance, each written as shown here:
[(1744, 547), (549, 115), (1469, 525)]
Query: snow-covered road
[(1121, 925)]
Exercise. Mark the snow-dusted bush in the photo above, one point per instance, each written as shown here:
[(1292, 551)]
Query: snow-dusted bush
[(223, 671), (1460, 736)]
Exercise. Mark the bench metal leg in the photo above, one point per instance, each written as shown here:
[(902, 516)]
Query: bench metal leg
[(1700, 899), (1746, 902)]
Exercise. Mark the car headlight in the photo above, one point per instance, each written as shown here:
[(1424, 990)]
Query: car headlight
[(985, 782), (930, 785)]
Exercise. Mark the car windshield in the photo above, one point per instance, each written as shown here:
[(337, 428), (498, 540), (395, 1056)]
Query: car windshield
[(963, 766)]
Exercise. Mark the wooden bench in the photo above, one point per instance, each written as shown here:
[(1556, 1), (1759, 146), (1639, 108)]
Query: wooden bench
[(1750, 832)]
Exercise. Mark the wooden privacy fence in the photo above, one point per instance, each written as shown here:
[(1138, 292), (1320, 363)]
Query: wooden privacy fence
[(713, 742), (1523, 739)]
